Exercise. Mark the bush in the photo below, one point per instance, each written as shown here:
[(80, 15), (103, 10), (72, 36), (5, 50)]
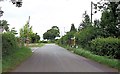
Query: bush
[(12, 61), (43, 41), (85, 36), (106, 47), (9, 43)]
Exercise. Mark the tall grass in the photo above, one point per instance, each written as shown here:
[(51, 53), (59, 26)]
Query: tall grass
[(114, 63), (101, 59), (11, 61)]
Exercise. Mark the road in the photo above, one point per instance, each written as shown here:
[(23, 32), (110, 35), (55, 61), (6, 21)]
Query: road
[(52, 58)]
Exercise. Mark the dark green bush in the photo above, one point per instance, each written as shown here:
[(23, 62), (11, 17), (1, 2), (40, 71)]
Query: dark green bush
[(106, 47), (43, 41), (84, 36), (9, 43)]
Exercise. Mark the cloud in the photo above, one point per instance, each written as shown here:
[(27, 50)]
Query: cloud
[(46, 13)]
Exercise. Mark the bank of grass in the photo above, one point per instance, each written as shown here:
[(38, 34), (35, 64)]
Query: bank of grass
[(114, 63), (36, 45), (13, 60)]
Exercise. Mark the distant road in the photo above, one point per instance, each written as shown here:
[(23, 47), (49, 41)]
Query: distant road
[(52, 58)]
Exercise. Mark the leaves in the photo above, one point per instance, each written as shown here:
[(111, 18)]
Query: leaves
[(106, 47), (73, 28), (4, 24), (52, 33), (27, 32), (86, 22)]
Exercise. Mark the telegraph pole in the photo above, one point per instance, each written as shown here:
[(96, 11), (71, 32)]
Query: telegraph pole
[(91, 11), (27, 41), (28, 20)]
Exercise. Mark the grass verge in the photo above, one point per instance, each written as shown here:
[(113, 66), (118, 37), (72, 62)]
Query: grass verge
[(114, 63), (101, 59), (36, 45), (12, 61)]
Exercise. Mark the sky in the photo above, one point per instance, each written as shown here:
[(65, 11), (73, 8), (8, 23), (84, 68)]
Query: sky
[(47, 13)]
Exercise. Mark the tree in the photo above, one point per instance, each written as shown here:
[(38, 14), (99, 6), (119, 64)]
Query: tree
[(18, 3), (55, 31), (26, 31), (84, 36), (97, 23), (110, 19), (73, 28), (86, 21), (13, 31), (4, 25), (35, 38), (52, 33), (67, 39)]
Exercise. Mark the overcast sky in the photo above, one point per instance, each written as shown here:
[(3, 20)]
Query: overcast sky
[(46, 13)]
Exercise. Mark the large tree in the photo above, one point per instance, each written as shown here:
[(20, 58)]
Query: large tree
[(110, 20), (52, 33)]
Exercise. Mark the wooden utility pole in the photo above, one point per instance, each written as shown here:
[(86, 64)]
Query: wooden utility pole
[(91, 11), (27, 40)]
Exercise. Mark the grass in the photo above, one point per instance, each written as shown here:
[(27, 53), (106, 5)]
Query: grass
[(114, 63), (36, 45), (0, 65), (13, 60), (101, 59)]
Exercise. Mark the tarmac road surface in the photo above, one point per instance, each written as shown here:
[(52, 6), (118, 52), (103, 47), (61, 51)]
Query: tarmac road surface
[(53, 58)]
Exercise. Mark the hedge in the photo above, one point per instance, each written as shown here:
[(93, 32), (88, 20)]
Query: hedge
[(106, 47), (85, 36), (9, 43)]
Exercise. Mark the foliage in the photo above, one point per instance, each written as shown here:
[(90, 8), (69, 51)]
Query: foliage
[(43, 41), (63, 40), (84, 36), (101, 59), (35, 38), (18, 3), (36, 45), (13, 31), (110, 19), (88, 54), (73, 28), (26, 31), (108, 24), (14, 59), (97, 23), (86, 21), (106, 47), (9, 44), (4, 24), (66, 39), (52, 33)]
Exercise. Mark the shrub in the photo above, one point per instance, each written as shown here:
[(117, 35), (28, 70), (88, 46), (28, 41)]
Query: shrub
[(106, 47), (84, 36), (43, 41), (12, 61), (9, 43)]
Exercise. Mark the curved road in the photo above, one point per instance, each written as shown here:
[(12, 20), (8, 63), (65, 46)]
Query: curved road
[(52, 58)]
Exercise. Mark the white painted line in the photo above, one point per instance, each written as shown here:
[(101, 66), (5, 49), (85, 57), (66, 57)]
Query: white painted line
[(33, 49)]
